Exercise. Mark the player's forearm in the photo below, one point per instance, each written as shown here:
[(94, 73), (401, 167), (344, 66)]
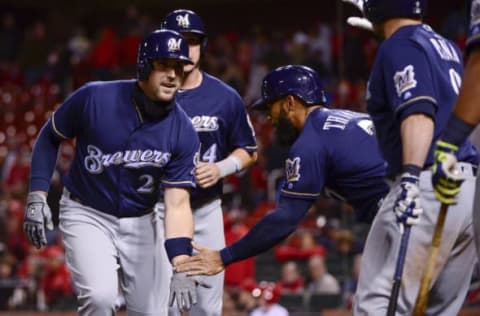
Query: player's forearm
[(417, 135), (269, 231), (246, 159), (44, 158), (178, 224), (238, 160), (178, 214), (467, 108)]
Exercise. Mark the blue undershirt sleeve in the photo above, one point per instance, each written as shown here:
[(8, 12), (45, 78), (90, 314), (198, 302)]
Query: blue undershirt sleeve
[(269, 231), (44, 158)]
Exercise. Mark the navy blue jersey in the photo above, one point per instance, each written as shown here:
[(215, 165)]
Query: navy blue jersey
[(415, 71), (337, 153), (474, 25), (121, 160), (219, 116)]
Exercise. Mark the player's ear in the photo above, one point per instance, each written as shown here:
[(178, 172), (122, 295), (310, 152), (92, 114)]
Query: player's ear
[(289, 104)]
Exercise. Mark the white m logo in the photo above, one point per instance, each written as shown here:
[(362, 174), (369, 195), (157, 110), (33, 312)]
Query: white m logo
[(183, 21), (174, 45)]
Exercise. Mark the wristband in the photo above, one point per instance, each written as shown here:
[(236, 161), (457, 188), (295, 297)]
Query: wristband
[(412, 169), (456, 131), (178, 246), (229, 165)]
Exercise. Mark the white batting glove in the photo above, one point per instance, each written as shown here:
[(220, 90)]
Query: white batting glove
[(37, 217), (407, 206), (356, 21), (359, 22)]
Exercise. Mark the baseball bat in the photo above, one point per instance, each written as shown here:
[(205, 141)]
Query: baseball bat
[(397, 278), (422, 298)]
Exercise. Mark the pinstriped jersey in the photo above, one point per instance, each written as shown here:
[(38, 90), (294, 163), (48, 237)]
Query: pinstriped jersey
[(474, 25), (121, 159), (219, 116), (416, 71), (337, 154)]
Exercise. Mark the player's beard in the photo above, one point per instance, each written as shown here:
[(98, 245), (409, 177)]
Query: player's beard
[(286, 133), (378, 32)]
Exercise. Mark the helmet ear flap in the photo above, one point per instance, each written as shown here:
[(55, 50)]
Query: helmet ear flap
[(144, 70)]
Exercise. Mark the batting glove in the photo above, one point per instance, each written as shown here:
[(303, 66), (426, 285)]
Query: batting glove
[(407, 205), (446, 179), (356, 21), (37, 216), (183, 289)]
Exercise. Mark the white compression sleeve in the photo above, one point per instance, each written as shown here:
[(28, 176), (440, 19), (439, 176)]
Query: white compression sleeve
[(229, 166)]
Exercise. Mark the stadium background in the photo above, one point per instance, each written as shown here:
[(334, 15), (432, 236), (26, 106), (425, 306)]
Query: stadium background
[(50, 48)]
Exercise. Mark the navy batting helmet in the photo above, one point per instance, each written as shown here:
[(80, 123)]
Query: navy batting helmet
[(300, 81), (377, 11), (185, 21), (161, 44)]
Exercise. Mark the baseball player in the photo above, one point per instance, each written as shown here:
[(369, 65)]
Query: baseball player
[(411, 92), (227, 146), (466, 115), (336, 152), (131, 138)]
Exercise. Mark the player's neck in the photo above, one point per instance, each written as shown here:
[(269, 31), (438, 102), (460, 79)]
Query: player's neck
[(392, 25), (301, 118), (193, 79)]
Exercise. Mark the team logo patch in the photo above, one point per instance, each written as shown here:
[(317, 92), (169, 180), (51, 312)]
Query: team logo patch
[(405, 80), (174, 45), (183, 21), (367, 126), (292, 169)]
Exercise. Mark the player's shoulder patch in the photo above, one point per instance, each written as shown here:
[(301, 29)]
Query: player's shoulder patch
[(367, 126), (404, 81), (292, 169)]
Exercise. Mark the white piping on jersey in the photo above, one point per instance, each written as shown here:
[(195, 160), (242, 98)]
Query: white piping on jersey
[(177, 182), (251, 147), (401, 106), (55, 128), (138, 113), (301, 194)]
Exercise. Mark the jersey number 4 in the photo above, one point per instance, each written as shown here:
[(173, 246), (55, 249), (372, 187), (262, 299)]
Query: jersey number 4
[(210, 155)]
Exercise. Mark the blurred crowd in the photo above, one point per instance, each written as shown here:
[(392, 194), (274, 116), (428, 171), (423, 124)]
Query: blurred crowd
[(316, 267)]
